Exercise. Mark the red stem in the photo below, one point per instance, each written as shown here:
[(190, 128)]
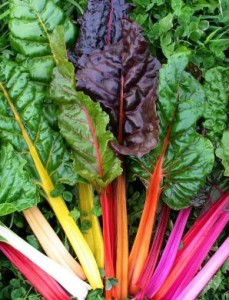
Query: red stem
[(192, 241), (109, 24), (121, 112), (95, 142), (197, 258), (42, 282), (152, 258), (109, 231)]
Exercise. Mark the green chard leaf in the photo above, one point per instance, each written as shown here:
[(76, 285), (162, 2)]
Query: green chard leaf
[(30, 23), (82, 122), (17, 191), (217, 95), (79, 118), (223, 151), (22, 124), (187, 157)]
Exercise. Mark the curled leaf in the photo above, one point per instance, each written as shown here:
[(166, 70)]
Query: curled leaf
[(217, 104), (21, 118), (30, 24), (123, 78), (82, 122), (99, 26), (223, 151), (187, 157), (17, 191)]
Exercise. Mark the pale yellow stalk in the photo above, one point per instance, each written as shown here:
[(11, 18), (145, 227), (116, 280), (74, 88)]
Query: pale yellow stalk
[(93, 235), (50, 242)]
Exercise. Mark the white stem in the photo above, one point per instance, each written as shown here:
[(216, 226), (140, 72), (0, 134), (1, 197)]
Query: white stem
[(194, 288), (73, 284)]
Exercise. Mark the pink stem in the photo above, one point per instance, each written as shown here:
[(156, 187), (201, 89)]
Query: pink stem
[(197, 258), (152, 259), (169, 254), (194, 288)]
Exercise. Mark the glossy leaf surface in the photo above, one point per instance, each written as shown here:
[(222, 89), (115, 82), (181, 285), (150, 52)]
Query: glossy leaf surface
[(217, 94), (223, 151), (23, 125), (99, 26), (82, 123), (188, 156), (30, 23), (20, 104), (123, 78), (17, 191)]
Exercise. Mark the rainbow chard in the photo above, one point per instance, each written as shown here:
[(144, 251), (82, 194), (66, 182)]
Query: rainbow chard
[(194, 288), (123, 78), (155, 249), (42, 282), (178, 167), (121, 75), (79, 120), (22, 124), (19, 193), (169, 254), (195, 246), (75, 286), (34, 51)]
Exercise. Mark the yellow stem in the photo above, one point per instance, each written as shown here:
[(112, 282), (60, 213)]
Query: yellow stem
[(93, 236), (60, 209), (50, 242)]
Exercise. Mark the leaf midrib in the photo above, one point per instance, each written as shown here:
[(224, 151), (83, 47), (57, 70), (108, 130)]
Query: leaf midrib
[(46, 181)]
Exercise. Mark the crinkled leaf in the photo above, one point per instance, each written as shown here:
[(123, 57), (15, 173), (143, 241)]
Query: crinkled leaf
[(17, 191), (99, 26), (21, 118), (123, 78), (30, 23), (82, 123), (217, 93), (187, 156), (223, 151)]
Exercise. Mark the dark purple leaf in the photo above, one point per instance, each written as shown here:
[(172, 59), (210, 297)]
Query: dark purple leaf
[(99, 26), (123, 78)]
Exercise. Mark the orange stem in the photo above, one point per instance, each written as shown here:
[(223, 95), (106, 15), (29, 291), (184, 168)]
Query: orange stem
[(141, 244)]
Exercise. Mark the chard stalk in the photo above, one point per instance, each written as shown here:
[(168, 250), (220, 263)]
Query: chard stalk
[(154, 251), (140, 249), (191, 244), (109, 234), (122, 240), (50, 242), (194, 288), (197, 258), (166, 262), (42, 282), (73, 284), (58, 205), (93, 235)]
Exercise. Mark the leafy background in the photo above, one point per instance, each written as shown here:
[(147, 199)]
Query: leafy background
[(200, 27)]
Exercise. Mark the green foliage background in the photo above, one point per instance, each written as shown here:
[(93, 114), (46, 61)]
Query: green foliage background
[(199, 27)]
